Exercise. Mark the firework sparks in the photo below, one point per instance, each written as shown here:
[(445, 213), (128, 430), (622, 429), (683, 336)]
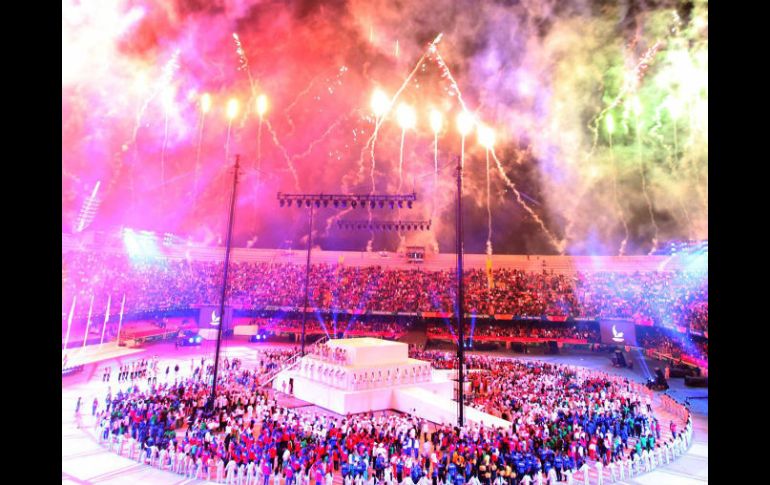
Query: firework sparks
[(244, 65), (558, 245), (285, 154), (392, 101), (610, 127)]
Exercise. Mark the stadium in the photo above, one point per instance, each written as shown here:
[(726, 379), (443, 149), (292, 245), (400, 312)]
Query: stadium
[(415, 243)]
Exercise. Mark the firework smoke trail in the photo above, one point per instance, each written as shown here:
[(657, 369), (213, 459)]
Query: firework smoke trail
[(373, 137), (489, 213), (244, 66), (227, 143), (334, 218), (370, 242), (401, 237), (401, 161), (291, 105), (167, 74), (378, 122), (640, 69), (198, 159), (435, 173), (163, 150), (285, 155), (559, 245), (259, 149), (622, 249), (675, 159), (640, 160), (318, 140), (656, 132), (447, 73)]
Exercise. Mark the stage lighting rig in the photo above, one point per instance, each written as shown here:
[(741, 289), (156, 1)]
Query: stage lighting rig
[(375, 225), (342, 200)]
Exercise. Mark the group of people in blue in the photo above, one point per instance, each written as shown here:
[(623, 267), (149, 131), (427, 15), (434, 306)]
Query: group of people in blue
[(561, 422)]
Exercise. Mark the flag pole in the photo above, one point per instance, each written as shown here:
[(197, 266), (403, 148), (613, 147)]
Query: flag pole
[(120, 322), (106, 318), (69, 321), (88, 323)]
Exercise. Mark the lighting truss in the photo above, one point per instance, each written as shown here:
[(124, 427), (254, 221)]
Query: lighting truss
[(342, 201), (385, 225)]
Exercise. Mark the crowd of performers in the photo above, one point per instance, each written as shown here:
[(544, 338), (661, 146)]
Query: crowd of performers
[(333, 355), (569, 425)]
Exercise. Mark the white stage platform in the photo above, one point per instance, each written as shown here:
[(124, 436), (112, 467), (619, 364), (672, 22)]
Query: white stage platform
[(377, 375)]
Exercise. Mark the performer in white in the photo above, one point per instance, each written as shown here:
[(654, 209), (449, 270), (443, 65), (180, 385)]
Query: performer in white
[(220, 470), (599, 472), (230, 472), (586, 476), (645, 460), (538, 478), (611, 467), (131, 447), (121, 444), (568, 473), (250, 473)]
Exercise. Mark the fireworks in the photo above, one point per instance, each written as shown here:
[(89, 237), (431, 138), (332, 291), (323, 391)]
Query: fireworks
[(205, 103), (486, 137), (232, 108), (465, 122), (642, 92), (261, 105), (407, 118), (232, 112), (379, 103)]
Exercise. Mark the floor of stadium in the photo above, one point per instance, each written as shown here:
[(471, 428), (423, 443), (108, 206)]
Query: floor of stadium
[(84, 461)]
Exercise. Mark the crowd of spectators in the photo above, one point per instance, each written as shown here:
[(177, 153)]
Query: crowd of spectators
[(566, 421), (342, 327), (671, 299), (580, 331), (675, 346)]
